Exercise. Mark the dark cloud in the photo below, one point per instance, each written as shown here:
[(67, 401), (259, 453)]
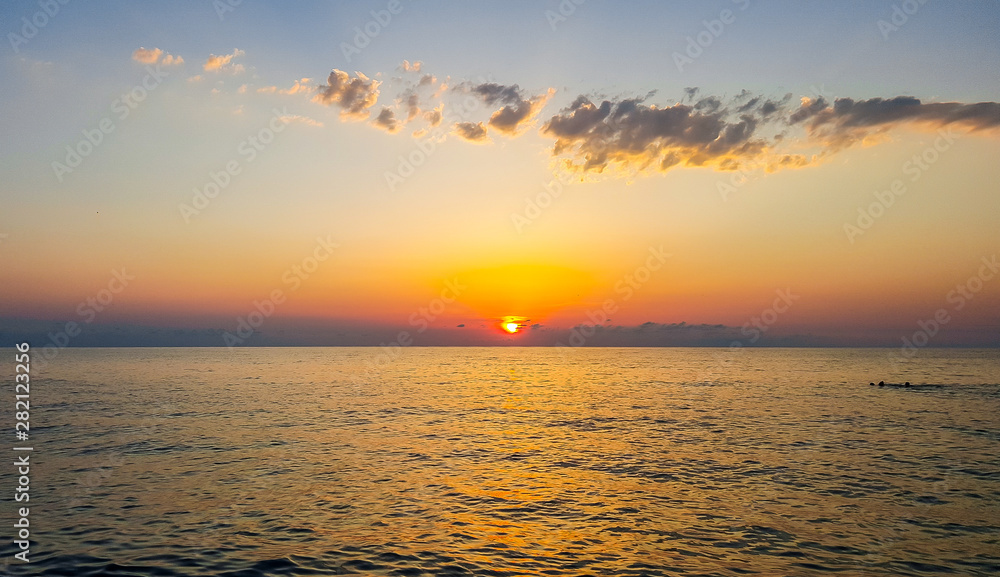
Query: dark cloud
[(471, 131), (433, 117), (354, 96), (386, 120), (410, 100), (493, 93), (517, 109), (632, 135), (848, 121)]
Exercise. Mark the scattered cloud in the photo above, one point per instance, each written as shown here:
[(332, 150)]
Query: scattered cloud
[(471, 132), (298, 118), (224, 63), (301, 85), (411, 101), (517, 111), (634, 136), (156, 56), (434, 116), (354, 96), (848, 121), (386, 120), (407, 67), (147, 55)]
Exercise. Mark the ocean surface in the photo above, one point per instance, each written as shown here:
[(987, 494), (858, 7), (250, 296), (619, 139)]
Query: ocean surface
[(509, 461)]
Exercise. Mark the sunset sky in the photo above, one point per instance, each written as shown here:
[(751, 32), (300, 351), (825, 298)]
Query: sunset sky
[(717, 164)]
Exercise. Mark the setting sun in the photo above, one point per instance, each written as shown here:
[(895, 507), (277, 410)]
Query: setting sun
[(513, 324)]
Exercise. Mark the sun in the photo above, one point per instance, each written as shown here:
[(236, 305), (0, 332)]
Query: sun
[(513, 324)]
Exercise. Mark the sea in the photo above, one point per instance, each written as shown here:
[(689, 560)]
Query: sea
[(254, 462)]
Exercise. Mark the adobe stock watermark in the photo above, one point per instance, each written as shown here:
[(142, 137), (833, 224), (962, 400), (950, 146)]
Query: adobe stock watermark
[(713, 29), (563, 11), (957, 298), (88, 311), (626, 287), (292, 278), (426, 145), (223, 7), (121, 108), (94, 479), (738, 179), (365, 34), (533, 207), (31, 26), (752, 331), (248, 149), (914, 168), (421, 320), (899, 16), (743, 176)]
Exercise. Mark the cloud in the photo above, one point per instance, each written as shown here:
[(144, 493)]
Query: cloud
[(147, 55), (386, 120), (224, 63), (410, 100), (354, 96), (472, 132), (407, 67), (290, 118), (517, 110), (848, 121), (154, 56), (631, 135), (625, 136), (299, 86), (434, 116)]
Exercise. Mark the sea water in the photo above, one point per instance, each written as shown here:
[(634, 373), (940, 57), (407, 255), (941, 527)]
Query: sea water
[(510, 461)]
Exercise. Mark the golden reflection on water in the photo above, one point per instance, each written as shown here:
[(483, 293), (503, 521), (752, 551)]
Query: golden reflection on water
[(529, 461)]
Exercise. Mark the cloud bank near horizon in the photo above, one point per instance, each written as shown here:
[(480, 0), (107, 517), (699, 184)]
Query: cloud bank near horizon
[(288, 332)]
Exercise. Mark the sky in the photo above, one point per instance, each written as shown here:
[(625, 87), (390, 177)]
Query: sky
[(724, 173)]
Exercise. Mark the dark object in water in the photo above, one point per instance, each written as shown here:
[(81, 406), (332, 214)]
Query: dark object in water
[(871, 384), (907, 385)]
